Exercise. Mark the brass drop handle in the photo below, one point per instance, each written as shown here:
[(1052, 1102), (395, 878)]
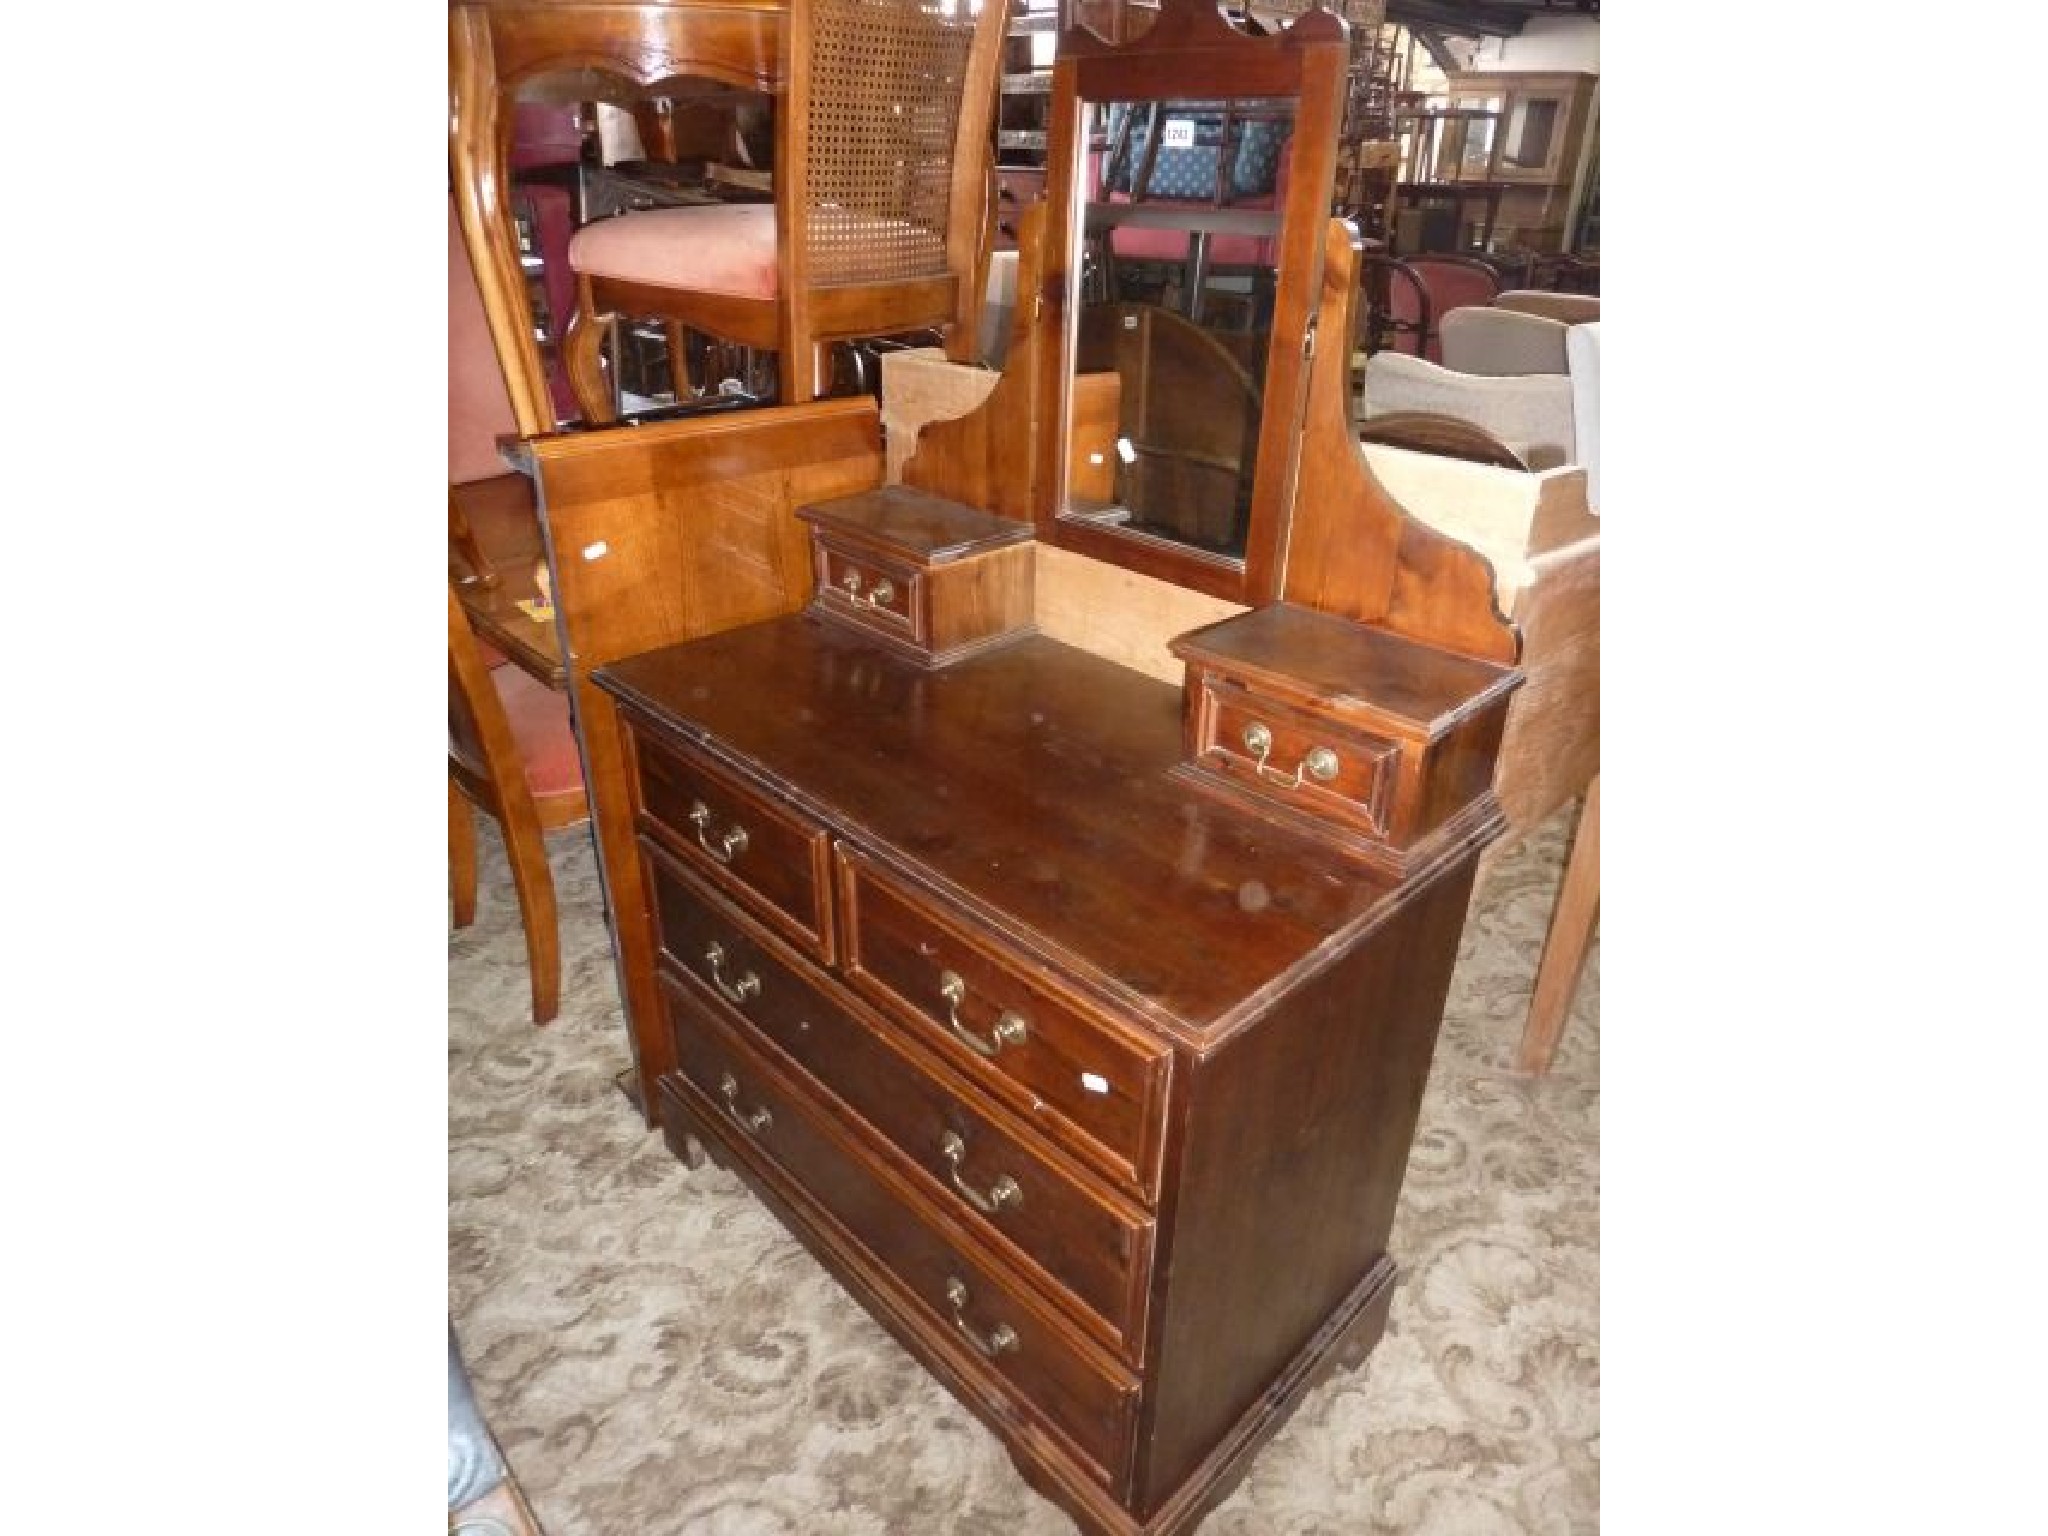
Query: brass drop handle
[(1320, 764), (734, 992), (1001, 1193), (1005, 1337), (880, 595), (731, 843), (1009, 1030), (753, 1124)]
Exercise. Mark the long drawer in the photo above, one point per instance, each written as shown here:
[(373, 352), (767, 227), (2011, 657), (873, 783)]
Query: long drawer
[(773, 860), (1095, 1083), (1081, 1242), (997, 1334)]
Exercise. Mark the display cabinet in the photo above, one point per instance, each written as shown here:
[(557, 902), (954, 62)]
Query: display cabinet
[(1537, 148)]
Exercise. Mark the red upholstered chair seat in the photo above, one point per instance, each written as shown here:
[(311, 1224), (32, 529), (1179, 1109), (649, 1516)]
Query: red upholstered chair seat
[(723, 248), (539, 717)]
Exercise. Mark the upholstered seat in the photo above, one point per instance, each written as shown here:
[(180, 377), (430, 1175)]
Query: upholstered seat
[(1531, 413), (1501, 342), (726, 249)]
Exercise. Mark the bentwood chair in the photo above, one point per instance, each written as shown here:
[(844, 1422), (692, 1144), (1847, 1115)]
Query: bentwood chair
[(880, 223), (512, 754), (1453, 282)]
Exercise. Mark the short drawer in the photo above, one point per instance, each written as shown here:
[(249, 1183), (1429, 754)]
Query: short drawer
[(878, 596), (996, 1334), (1098, 1086), (774, 859), (1082, 1244), (1302, 759)]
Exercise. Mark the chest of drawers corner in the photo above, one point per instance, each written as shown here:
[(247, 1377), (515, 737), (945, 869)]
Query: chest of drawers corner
[(1095, 1089)]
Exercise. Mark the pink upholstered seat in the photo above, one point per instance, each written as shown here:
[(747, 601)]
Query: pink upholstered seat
[(539, 717), (722, 248)]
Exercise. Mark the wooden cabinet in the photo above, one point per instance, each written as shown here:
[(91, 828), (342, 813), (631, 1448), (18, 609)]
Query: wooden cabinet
[(1091, 1073), (1537, 149)]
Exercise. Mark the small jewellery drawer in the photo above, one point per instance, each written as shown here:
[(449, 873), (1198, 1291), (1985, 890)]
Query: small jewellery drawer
[(877, 596), (1307, 759), (775, 860), (1085, 1244), (1010, 1345), (1003, 1020)]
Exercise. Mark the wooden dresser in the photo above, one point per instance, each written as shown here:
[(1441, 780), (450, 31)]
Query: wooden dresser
[(1093, 1084)]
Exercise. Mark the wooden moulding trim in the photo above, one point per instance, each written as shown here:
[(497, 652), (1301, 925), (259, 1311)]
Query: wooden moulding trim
[(1354, 550), (750, 322), (873, 309), (742, 45)]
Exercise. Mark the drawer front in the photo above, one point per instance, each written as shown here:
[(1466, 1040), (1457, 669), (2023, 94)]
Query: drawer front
[(1298, 758), (1099, 1088), (997, 1335), (1086, 1246), (775, 860), (885, 598)]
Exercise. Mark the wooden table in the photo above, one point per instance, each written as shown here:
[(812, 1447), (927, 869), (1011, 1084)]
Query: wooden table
[(598, 50), (501, 514)]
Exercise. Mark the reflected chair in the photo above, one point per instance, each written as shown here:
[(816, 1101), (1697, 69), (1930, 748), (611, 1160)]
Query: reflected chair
[(1571, 308), (1482, 339), (1451, 282), (511, 754), (881, 220)]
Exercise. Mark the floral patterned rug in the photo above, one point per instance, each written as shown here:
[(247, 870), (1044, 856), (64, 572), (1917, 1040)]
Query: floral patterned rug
[(658, 1357)]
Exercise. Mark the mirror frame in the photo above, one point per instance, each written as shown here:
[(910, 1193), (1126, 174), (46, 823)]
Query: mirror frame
[(1192, 53)]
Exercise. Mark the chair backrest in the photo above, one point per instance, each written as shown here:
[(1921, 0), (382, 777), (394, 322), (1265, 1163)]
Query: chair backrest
[(1571, 308), (479, 405), (1395, 314), (1497, 342), (891, 103), (1582, 346), (1452, 281), (1531, 413)]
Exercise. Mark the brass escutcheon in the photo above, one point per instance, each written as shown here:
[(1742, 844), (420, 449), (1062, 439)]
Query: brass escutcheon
[(1010, 1028), (1001, 1193), (731, 844), (1005, 1337), (1320, 763), (753, 1124)]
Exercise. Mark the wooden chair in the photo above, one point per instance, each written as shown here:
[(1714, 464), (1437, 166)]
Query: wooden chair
[(880, 222), (1394, 306), (1452, 282), (512, 754)]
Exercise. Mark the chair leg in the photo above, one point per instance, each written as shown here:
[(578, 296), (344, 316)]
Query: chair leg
[(536, 887), (582, 342), (461, 857), (1569, 939)]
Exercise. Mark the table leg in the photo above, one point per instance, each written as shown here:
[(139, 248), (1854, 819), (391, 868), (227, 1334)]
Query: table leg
[(1569, 939)]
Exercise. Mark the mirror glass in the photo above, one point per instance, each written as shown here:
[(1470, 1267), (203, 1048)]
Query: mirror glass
[(1173, 309)]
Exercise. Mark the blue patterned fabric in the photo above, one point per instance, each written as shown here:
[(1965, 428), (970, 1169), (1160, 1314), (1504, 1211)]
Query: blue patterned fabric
[(1189, 174)]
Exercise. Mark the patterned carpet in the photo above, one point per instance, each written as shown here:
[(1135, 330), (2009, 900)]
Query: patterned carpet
[(658, 1357)]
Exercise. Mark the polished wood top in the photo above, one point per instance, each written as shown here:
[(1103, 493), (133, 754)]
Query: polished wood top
[(1034, 783), (932, 528)]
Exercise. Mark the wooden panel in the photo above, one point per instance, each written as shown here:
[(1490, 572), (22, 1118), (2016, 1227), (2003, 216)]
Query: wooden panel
[(1118, 614), (1083, 1397), (1071, 1069), (658, 534), (1080, 1243)]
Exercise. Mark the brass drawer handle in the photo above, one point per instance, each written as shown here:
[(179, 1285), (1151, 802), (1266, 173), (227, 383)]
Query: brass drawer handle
[(880, 595), (735, 992), (1009, 1028), (730, 845), (1320, 764), (753, 1124), (1001, 1193), (1005, 1337)]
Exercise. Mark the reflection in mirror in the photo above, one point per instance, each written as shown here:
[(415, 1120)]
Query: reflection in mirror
[(1175, 314)]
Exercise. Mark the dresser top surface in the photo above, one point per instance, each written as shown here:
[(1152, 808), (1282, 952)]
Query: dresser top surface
[(1034, 781), (928, 528)]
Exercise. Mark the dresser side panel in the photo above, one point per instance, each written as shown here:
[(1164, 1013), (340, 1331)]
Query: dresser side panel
[(1294, 1148)]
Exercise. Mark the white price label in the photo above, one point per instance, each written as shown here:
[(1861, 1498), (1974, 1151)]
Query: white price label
[(1179, 134)]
